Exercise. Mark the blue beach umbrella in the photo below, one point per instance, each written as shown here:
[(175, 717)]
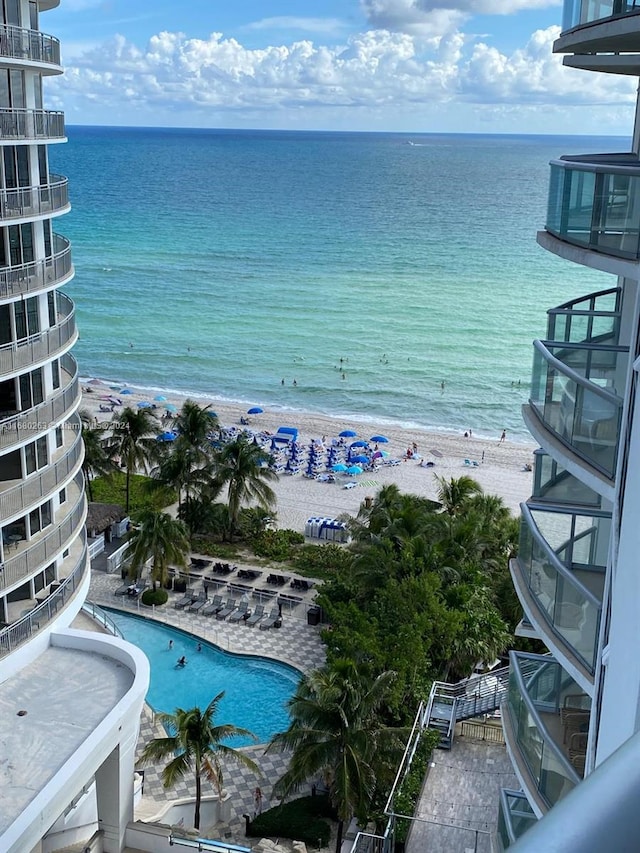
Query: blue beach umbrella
[(360, 443), (126, 391), (159, 398), (339, 467), (360, 458), (211, 414), (167, 436), (347, 433), (354, 469), (171, 408), (144, 404), (255, 410), (379, 439)]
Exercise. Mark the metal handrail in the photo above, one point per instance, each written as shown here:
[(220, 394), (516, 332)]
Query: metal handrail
[(41, 552), (407, 756), (16, 428), (568, 307), (21, 631), (570, 373), (33, 201), (27, 352), (21, 43), (37, 275), (551, 555), (25, 494), (602, 165), (28, 124), (102, 617)]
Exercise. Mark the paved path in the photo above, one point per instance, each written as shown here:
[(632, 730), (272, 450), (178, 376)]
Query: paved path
[(458, 805)]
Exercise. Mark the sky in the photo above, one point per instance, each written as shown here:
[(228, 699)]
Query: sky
[(414, 66)]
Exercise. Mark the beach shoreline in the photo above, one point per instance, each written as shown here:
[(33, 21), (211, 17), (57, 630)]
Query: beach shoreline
[(498, 466)]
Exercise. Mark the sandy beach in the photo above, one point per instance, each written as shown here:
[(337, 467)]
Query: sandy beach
[(500, 468)]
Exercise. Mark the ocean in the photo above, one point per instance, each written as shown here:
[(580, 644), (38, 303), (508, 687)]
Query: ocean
[(385, 277)]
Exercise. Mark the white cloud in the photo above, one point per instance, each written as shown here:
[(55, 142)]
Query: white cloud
[(377, 73), (323, 26)]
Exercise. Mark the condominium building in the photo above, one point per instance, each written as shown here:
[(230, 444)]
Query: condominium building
[(70, 701), (576, 573)]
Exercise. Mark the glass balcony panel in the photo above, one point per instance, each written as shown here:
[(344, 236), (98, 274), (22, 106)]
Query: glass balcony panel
[(596, 207), (553, 483), (546, 709), (580, 12), (590, 319), (587, 422), (19, 43), (515, 817)]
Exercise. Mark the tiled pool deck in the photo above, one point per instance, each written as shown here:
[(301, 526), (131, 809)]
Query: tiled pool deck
[(295, 643)]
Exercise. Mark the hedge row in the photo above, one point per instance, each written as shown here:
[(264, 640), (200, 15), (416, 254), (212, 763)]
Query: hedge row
[(300, 820)]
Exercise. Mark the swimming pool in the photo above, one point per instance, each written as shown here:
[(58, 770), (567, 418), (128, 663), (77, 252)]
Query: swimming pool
[(256, 689)]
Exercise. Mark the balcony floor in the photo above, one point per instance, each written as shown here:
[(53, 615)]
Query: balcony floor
[(66, 694)]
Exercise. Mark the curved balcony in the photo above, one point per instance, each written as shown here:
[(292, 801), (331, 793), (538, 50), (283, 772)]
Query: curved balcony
[(21, 631), (515, 817), (50, 199), (30, 351), (572, 395), (20, 125), (545, 720), (18, 499), (594, 203), (604, 26), (44, 548), (592, 319), (54, 410), (29, 46), (554, 484), (559, 578), (38, 275)]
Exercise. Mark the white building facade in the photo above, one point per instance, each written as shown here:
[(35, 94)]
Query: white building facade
[(577, 573), (70, 701)]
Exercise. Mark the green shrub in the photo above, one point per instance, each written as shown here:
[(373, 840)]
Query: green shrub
[(145, 492), (407, 795), (322, 561), (300, 820), (277, 545), (157, 597), (220, 550)]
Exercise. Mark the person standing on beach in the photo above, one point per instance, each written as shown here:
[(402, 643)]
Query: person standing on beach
[(503, 437)]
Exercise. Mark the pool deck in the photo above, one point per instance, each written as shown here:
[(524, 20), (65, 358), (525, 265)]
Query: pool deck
[(295, 643)]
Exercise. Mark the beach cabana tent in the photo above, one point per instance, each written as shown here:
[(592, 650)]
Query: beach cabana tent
[(284, 435)]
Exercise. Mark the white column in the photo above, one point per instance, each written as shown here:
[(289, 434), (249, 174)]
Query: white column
[(114, 794)]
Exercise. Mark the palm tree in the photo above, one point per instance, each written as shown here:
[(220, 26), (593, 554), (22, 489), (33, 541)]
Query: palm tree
[(134, 440), (335, 731), (196, 744), (454, 494), (194, 425), (243, 467), (162, 539), (97, 460)]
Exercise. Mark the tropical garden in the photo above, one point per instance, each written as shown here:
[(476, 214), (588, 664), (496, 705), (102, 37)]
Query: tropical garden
[(422, 593)]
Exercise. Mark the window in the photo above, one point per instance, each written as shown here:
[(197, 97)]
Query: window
[(27, 318), (12, 94), (59, 437), (55, 374), (10, 12), (36, 455), (62, 496), (51, 304), (42, 165), (31, 390), (15, 166), (40, 518), (20, 243)]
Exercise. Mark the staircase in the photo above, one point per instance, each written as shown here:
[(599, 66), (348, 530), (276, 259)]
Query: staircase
[(450, 703)]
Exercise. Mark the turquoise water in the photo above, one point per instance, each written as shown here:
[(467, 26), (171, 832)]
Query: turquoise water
[(233, 260), (256, 689)]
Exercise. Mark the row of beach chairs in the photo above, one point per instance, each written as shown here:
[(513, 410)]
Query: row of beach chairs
[(230, 610), (277, 580)]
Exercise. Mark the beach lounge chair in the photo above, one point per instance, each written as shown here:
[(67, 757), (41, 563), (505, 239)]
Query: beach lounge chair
[(256, 616), (214, 605), (227, 609), (122, 589), (185, 601), (242, 612), (198, 603), (271, 620), (467, 462)]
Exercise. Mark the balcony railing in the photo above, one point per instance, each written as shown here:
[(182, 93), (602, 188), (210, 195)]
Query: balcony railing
[(42, 551), (45, 199), (535, 728), (565, 579), (515, 817), (553, 483), (21, 124), (31, 45), (577, 13), (28, 424), (568, 397), (43, 345), (594, 203), (37, 275), (21, 632), (593, 319), (23, 496)]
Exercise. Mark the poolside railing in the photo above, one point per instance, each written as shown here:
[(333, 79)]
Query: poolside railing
[(102, 617)]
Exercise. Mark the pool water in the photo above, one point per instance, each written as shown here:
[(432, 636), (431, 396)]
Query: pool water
[(256, 689)]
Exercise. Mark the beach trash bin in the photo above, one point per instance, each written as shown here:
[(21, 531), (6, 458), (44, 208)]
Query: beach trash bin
[(313, 616), (368, 502)]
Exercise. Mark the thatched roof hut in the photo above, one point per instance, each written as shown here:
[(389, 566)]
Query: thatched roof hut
[(100, 517)]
